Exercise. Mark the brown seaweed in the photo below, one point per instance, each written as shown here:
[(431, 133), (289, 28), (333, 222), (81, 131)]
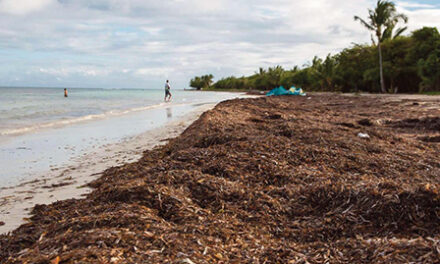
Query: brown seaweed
[(266, 180)]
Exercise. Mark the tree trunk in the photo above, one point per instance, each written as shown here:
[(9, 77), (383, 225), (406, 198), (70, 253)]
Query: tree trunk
[(382, 82)]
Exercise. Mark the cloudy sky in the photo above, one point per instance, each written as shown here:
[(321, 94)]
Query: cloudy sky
[(140, 43)]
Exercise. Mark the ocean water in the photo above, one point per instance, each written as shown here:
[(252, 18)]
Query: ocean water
[(24, 110), (40, 129)]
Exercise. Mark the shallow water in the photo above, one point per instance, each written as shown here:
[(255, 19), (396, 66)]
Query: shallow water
[(24, 110), (43, 130)]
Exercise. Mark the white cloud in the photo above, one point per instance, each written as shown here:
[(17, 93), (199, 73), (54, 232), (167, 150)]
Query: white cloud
[(77, 70), (423, 15), (152, 30), (23, 7), (154, 71), (124, 43)]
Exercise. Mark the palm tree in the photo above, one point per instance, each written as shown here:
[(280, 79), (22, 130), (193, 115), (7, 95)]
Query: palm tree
[(325, 71), (383, 17), (389, 32), (261, 71)]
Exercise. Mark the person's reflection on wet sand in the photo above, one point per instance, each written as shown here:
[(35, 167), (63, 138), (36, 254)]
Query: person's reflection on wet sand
[(169, 113)]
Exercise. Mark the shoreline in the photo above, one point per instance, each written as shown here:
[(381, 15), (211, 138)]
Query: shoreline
[(270, 179), (70, 181)]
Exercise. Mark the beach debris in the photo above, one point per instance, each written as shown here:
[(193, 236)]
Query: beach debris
[(363, 135), (264, 180)]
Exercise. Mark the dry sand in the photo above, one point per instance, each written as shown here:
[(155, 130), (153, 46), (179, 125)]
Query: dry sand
[(69, 181)]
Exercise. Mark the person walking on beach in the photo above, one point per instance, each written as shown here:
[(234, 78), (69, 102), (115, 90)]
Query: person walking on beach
[(167, 91), (65, 92)]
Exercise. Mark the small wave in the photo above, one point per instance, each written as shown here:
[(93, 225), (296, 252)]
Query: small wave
[(21, 114), (65, 122)]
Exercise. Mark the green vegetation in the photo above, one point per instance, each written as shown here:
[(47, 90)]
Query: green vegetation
[(384, 16), (204, 81), (392, 63)]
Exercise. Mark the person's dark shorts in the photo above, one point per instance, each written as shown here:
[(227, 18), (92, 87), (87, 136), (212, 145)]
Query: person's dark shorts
[(167, 92)]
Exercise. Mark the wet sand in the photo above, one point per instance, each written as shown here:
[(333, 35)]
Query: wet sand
[(70, 181), (320, 179)]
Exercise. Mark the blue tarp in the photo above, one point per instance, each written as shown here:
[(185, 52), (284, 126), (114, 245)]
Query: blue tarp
[(279, 91)]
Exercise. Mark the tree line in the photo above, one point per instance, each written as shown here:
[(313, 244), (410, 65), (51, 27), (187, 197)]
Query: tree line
[(391, 63)]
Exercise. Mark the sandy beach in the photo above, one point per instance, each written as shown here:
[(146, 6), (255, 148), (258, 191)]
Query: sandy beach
[(226, 132), (70, 181), (321, 179)]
